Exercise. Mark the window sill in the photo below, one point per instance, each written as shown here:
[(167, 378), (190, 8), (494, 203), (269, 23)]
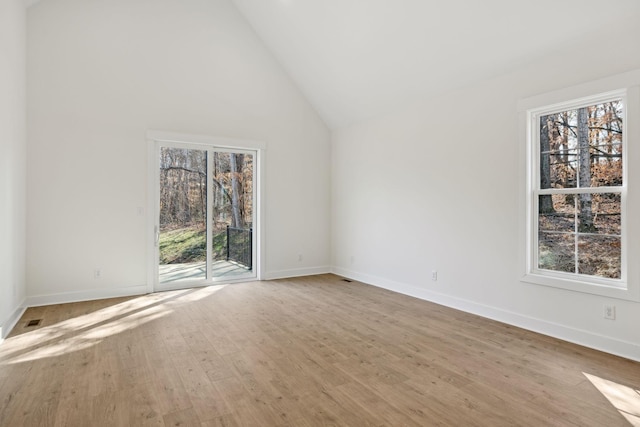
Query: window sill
[(617, 289)]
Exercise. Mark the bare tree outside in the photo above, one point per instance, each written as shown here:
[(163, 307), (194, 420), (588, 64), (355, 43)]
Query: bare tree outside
[(546, 204), (184, 181), (585, 223), (580, 230)]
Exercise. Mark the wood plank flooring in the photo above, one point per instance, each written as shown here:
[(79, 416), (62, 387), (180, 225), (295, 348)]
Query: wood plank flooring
[(312, 351)]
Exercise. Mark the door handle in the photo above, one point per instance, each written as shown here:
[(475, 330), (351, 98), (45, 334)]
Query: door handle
[(157, 235)]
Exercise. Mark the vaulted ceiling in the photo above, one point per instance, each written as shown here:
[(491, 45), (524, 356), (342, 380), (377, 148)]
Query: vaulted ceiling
[(355, 59)]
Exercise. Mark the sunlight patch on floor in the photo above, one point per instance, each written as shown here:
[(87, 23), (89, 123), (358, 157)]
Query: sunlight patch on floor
[(202, 293), (87, 330), (84, 339), (625, 399)]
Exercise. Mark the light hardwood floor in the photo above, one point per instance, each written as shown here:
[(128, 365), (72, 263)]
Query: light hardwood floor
[(313, 351)]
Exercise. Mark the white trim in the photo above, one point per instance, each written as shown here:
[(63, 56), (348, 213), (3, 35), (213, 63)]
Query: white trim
[(629, 350), (575, 103), (580, 190), (259, 202), (89, 295), (296, 272), (601, 86), (622, 86), (156, 139), (221, 142), (209, 217), (153, 164), (573, 283), (12, 321)]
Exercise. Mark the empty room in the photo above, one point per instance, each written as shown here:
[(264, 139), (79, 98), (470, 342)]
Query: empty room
[(319, 213)]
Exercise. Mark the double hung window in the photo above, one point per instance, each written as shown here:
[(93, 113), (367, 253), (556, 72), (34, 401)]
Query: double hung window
[(577, 230), (580, 190)]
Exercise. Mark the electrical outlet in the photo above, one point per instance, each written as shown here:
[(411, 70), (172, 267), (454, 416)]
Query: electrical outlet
[(97, 274), (434, 275), (299, 257), (610, 312)]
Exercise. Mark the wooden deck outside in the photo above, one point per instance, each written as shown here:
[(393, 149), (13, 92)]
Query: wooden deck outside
[(193, 271)]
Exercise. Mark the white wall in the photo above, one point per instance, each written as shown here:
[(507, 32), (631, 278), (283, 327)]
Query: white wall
[(12, 162), (436, 187), (100, 74)]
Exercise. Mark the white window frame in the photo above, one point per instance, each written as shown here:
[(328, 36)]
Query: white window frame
[(626, 87), (155, 139)]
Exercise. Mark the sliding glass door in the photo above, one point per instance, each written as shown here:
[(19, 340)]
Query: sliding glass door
[(205, 223)]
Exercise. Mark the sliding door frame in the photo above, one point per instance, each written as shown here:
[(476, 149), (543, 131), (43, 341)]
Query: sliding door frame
[(157, 139)]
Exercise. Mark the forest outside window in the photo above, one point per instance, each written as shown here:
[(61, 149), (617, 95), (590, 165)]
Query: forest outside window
[(578, 191)]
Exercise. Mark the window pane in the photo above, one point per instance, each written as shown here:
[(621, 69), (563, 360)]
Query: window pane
[(605, 144), (232, 211), (599, 213), (557, 213), (183, 214), (599, 256), (582, 147), (556, 252), (599, 229), (606, 213), (564, 164), (558, 150)]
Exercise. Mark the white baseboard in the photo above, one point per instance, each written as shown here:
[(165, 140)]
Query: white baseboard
[(296, 272), (88, 295), (11, 322), (614, 346)]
